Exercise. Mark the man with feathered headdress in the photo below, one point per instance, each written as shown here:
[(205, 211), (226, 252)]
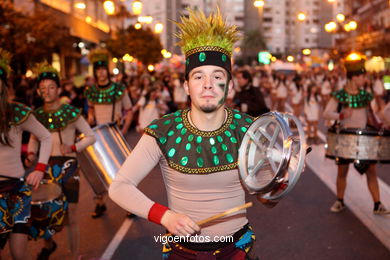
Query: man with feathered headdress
[(197, 149), (107, 102)]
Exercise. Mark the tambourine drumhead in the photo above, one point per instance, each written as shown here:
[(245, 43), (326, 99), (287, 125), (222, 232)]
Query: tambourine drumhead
[(46, 192), (271, 156)]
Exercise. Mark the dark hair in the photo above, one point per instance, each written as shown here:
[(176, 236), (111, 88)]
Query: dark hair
[(309, 90), (6, 114), (246, 75)]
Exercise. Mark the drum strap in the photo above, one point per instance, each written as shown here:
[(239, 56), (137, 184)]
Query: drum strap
[(113, 110), (60, 136)]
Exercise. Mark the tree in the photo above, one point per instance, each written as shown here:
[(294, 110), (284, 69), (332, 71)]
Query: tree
[(30, 38), (252, 43), (142, 44)]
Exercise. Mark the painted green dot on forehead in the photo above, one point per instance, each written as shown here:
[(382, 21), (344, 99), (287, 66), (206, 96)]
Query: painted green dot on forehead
[(202, 57)]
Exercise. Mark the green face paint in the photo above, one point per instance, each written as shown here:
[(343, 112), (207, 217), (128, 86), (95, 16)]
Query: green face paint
[(225, 88)]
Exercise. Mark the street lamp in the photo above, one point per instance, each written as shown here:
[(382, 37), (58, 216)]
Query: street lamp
[(80, 5), (109, 7), (330, 27), (340, 18), (145, 19), (301, 16), (137, 7), (306, 51), (137, 26), (352, 25), (258, 3), (290, 58), (158, 28)]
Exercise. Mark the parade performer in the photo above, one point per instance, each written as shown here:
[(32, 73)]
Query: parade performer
[(197, 149), (107, 101), (351, 107), (63, 121), (15, 193)]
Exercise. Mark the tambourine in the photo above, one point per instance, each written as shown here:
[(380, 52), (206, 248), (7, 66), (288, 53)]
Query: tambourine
[(272, 156)]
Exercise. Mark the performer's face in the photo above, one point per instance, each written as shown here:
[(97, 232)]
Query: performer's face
[(208, 87), (48, 90), (101, 74), (242, 82)]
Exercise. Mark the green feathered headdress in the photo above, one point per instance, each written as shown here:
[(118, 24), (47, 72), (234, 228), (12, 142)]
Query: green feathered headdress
[(99, 57), (45, 71), (206, 40), (5, 69)]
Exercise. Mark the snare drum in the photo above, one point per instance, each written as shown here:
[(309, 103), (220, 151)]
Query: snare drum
[(48, 209)]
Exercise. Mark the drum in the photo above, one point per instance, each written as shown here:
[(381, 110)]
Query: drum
[(358, 144), (272, 156), (48, 209), (101, 161)]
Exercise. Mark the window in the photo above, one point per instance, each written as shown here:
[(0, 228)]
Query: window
[(267, 19)]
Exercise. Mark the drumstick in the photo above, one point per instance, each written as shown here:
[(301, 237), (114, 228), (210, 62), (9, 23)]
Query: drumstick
[(220, 215), (227, 212)]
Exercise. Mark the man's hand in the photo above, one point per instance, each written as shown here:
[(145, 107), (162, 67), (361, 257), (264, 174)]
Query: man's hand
[(34, 178), (179, 224), (265, 202), (65, 149)]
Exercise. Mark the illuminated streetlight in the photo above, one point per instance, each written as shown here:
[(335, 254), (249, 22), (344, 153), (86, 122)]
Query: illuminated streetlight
[(273, 59), (340, 17), (128, 57), (331, 26), (301, 16), (167, 55), (290, 58), (137, 26), (347, 28), (115, 60), (145, 19), (331, 1), (150, 68), (306, 51), (353, 25), (109, 7), (353, 56), (137, 7), (158, 27), (258, 3), (88, 19), (80, 5)]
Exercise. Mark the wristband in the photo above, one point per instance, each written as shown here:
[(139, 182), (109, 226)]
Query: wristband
[(40, 167), (341, 116), (156, 213), (73, 147)]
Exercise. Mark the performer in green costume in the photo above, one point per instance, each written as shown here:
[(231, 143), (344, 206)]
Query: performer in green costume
[(197, 150)]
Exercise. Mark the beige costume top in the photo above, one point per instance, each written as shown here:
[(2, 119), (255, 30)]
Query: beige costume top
[(102, 99), (357, 104), (199, 170), (66, 132), (10, 156)]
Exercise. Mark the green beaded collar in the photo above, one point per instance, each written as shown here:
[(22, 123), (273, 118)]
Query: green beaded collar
[(21, 113), (59, 119), (107, 95), (189, 150), (362, 99)]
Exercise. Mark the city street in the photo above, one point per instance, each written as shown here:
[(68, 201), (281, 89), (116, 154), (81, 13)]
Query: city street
[(299, 227)]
